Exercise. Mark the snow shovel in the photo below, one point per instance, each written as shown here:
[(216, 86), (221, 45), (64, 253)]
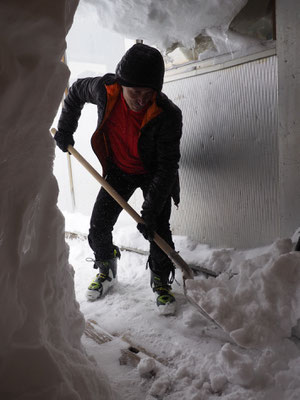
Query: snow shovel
[(187, 272)]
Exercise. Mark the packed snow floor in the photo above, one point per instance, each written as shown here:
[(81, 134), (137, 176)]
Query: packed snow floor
[(256, 299)]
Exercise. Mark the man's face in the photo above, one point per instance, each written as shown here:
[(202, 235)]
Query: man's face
[(137, 97)]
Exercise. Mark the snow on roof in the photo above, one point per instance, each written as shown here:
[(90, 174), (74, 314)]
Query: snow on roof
[(163, 23)]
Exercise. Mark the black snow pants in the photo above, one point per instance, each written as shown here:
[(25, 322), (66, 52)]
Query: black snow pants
[(106, 212)]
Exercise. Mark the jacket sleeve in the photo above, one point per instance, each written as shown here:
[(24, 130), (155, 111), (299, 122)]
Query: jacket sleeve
[(81, 92), (168, 155)]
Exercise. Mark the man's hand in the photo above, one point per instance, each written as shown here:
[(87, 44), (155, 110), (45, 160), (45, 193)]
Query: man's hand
[(148, 228), (63, 140)]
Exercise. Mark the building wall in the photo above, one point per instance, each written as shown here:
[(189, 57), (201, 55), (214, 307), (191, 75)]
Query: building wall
[(229, 165), (288, 53)]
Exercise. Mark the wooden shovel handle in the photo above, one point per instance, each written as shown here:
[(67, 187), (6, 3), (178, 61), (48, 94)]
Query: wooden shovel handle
[(161, 243)]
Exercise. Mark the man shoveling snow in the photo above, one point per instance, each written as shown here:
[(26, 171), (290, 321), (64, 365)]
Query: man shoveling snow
[(137, 143)]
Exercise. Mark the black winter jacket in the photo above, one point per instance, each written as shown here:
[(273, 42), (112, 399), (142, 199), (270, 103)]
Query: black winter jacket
[(158, 143)]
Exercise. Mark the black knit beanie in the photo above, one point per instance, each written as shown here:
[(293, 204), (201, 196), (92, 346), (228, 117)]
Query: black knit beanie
[(141, 66)]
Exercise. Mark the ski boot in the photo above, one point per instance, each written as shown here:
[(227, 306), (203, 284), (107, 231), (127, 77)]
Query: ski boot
[(106, 277), (161, 286)]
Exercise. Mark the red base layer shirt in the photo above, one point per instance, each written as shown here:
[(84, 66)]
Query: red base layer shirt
[(123, 128)]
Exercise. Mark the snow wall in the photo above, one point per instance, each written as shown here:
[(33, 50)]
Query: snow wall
[(40, 348)]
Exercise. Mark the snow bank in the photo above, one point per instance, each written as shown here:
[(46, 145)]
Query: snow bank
[(256, 292), (167, 22), (260, 376), (41, 326), (256, 296), (257, 300)]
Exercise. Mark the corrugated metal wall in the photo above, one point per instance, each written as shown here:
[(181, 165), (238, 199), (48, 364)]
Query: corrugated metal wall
[(229, 165)]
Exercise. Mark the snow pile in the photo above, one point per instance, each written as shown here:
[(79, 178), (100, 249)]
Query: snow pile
[(258, 305), (260, 376), (257, 288), (40, 323), (167, 22)]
